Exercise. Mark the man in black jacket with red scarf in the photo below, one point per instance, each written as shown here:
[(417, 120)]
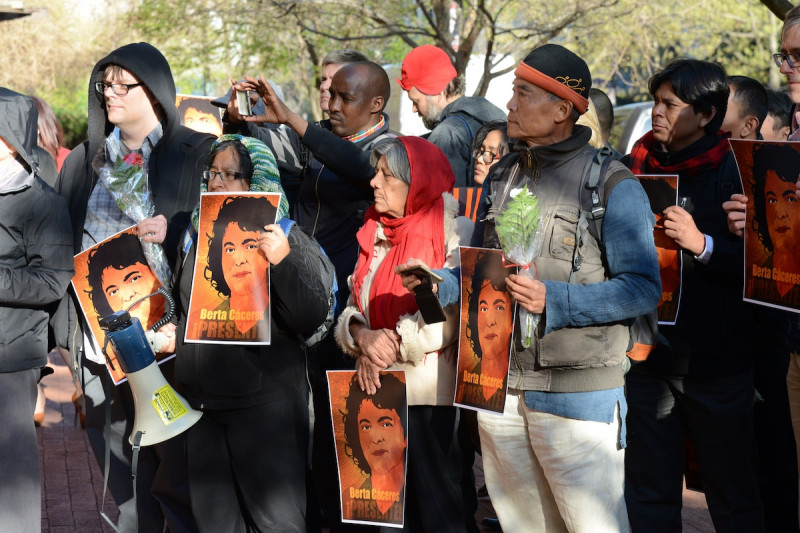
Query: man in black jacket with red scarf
[(699, 379)]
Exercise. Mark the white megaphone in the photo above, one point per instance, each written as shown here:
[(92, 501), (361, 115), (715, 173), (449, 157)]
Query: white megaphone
[(161, 413)]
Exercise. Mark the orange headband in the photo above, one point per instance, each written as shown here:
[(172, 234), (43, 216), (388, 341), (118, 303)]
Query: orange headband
[(558, 88)]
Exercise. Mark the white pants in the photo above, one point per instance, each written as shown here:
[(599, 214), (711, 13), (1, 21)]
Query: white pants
[(546, 473)]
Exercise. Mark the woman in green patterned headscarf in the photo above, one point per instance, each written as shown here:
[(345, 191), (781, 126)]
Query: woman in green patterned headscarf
[(254, 169), (247, 454)]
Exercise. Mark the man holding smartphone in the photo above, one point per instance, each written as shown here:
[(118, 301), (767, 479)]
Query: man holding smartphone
[(332, 158)]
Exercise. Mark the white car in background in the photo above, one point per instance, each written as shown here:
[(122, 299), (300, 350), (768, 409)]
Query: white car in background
[(631, 121)]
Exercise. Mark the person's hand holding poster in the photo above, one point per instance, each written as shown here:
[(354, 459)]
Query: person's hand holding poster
[(371, 435), (112, 276), (662, 191), (487, 323), (769, 171), (230, 300)]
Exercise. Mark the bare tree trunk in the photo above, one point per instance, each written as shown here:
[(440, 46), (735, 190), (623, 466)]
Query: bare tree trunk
[(778, 7)]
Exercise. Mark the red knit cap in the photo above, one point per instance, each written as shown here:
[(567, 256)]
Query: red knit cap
[(427, 68)]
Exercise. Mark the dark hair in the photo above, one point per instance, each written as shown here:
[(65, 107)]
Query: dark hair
[(342, 57), (369, 79), (121, 252), (792, 18), (785, 162), (780, 107), (377, 81), (751, 97), (201, 105), (245, 163), (486, 129), (390, 396), (604, 110), (250, 213), (51, 136), (701, 84), (488, 267)]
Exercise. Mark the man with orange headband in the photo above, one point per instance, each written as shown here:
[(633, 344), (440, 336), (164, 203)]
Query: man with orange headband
[(437, 93), (555, 460)]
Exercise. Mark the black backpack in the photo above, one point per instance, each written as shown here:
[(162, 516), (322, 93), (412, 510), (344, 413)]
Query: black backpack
[(593, 199)]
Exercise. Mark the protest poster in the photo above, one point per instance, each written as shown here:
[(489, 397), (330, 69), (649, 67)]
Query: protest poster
[(230, 300), (662, 190), (111, 276), (487, 326), (469, 199), (199, 114), (371, 436), (769, 170)]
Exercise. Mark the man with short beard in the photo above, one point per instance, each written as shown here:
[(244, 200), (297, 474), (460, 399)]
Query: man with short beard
[(437, 92)]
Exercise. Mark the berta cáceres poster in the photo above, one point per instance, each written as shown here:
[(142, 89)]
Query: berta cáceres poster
[(371, 435), (230, 301)]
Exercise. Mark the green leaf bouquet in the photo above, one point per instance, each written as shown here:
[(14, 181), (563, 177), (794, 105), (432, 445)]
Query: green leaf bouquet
[(520, 233)]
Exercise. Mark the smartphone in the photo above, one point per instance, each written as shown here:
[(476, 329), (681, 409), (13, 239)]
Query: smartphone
[(243, 102), (423, 272), (428, 303)]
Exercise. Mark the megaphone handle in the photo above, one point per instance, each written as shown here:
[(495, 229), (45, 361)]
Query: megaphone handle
[(108, 357)]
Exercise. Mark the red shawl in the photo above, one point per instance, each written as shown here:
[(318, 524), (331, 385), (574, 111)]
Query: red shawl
[(642, 161), (419, 234)]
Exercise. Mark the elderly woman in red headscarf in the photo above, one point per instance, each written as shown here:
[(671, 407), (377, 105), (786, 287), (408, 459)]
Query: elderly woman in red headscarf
[(414, 216)]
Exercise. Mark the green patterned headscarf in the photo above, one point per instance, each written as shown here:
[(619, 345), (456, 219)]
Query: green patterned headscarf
[(265, 176)]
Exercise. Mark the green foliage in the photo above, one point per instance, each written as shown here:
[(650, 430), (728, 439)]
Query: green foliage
[(209, 41), (516, 226), (70, 106), (51, 56), (636, 39)]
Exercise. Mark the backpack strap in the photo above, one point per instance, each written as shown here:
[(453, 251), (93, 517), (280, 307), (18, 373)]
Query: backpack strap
[(469, 128), (643, 329), (286, 225), (593, 204)]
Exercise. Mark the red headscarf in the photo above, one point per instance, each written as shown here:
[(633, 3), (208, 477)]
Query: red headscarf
[(418, 234)]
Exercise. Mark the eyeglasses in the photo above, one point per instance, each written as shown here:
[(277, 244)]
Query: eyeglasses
[(120, 89), (224, 175), (487, 157), (793, 59)]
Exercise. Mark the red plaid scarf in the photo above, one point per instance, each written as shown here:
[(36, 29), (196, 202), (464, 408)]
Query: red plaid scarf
[(643, 162)]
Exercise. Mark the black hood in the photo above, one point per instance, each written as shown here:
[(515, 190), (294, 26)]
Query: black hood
[(19, 124), (150, 66)]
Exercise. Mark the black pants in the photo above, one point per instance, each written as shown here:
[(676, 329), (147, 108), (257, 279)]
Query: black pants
[(247, 467), (716, 413), (20, 478), (437, 485), (162, 488)]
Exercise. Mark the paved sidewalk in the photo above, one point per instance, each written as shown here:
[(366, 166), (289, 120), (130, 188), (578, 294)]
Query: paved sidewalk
[(72, 484)]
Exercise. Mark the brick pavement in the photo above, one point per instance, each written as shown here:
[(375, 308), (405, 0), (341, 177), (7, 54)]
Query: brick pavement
[(72, 484)]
